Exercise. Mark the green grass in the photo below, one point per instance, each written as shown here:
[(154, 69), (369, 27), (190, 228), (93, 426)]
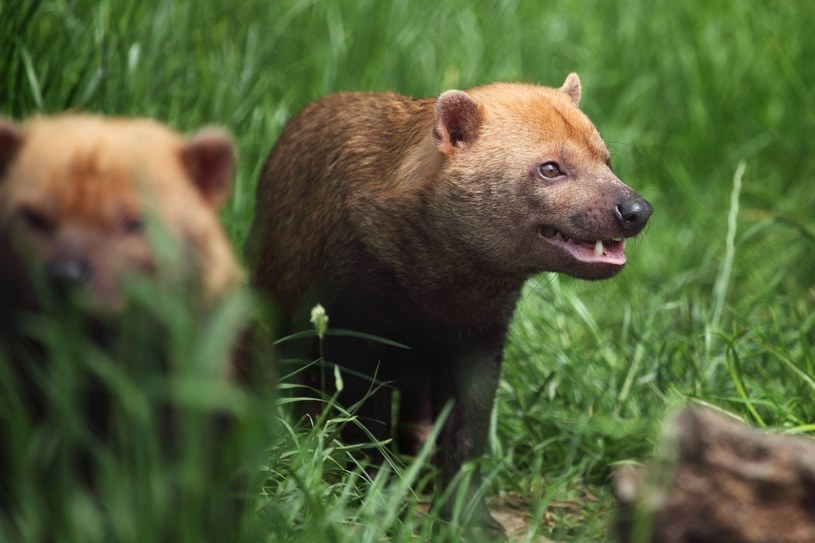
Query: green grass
[(716, 304)]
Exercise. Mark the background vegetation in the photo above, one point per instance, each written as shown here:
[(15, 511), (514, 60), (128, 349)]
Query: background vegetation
[(709, 109)]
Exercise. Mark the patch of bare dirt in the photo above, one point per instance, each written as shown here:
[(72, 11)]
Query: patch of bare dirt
[(515, 516)]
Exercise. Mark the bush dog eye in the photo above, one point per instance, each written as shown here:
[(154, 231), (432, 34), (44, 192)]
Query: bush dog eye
[(550, 170), (37, 221), (133, 225)]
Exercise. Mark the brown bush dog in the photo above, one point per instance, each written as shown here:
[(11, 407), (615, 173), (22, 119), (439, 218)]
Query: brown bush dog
[(419, 221), (76, 192)]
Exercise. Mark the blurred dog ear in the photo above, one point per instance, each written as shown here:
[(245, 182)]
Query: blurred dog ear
[(11, 139), (209, 157)]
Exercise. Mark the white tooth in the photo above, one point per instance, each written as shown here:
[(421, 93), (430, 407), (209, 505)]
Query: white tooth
[(623, 242), (598, 248), (616, 239)]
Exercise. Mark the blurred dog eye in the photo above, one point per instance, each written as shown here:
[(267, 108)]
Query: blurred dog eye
[(37, 220), (550, 170), (133, 225)]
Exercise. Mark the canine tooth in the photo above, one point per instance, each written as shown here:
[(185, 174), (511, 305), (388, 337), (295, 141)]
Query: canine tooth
[(598, 248), (623, 243)]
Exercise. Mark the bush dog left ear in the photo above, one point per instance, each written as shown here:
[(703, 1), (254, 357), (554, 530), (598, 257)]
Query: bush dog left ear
[(11, 139), (457, 121), (209, 157)]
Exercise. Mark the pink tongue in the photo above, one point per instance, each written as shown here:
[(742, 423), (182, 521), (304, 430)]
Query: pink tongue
[(613, 253)]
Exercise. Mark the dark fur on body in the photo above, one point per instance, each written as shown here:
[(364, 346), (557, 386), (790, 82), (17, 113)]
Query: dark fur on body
[(419, 221)]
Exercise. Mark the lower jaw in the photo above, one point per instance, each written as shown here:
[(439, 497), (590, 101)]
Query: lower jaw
[(593, 272)]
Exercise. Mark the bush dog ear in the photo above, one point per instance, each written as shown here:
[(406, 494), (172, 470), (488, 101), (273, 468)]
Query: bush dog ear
[(572, 87), (209, 157), (11, 139), (458, 121)]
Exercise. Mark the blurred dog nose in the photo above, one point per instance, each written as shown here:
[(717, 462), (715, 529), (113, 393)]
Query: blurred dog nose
[(633, 214), (67, 273)]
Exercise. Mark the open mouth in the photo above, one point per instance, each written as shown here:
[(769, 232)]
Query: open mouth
[(606, 251)]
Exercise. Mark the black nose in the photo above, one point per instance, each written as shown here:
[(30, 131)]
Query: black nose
[(67, 273), (633, 214)]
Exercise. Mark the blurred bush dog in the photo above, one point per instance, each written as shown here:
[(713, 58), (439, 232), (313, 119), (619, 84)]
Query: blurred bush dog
[(79, 195), (72, 197), (419, 221)]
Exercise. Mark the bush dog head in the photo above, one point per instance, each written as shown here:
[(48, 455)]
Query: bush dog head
[(541, 174), (419, 221), (76, 192)]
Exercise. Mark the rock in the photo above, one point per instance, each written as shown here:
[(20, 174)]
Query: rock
[(718, 480)]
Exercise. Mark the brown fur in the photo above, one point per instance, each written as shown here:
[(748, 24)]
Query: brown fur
[(419, 221)]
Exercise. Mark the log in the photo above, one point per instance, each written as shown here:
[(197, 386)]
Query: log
[(716, 480)]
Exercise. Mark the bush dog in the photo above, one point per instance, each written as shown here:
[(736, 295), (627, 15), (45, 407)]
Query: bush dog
[(419, 221), (76, 194), (72, 195)]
